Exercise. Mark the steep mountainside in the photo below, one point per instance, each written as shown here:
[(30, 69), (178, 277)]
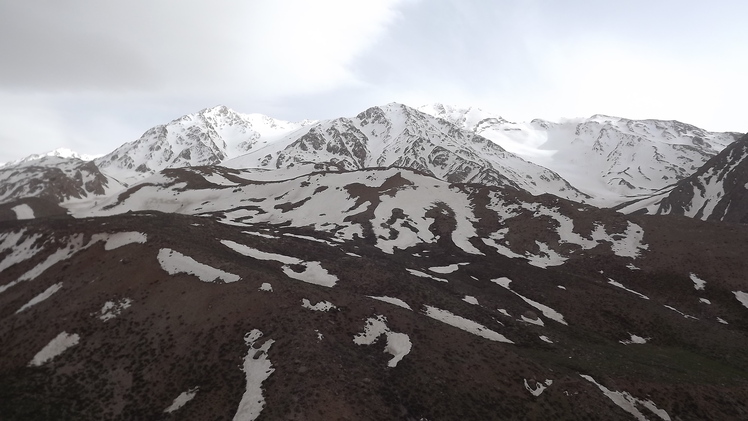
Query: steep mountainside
[(400, 136), (209, 293), (610, 158), (718, 191), (55, 179), (205, 138)]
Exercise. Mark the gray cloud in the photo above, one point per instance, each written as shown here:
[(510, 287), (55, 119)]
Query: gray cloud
[(89, 75)]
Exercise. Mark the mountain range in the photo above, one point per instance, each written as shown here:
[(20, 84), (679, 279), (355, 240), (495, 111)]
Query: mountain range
[(421, 264)]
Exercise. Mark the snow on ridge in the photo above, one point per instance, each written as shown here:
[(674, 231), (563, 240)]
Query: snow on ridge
[(628, 403), (462, 323), (55, 347), (394, 301), (174, 262), (547, 311), (182, 399), (320, 306), (257, 367), (398, 344), (41, 297)]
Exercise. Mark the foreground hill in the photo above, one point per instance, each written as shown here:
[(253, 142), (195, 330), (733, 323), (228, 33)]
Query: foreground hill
[(212, 293)]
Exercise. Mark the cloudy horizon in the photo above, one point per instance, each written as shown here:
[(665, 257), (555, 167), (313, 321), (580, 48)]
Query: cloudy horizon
[(91, 75)]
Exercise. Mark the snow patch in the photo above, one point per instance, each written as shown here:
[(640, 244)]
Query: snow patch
[(114, 241), (55, 347), (629, 403), (182, 399), (698, 283), (547, 311), (687, 316), (18, 252), (467, 325), (721, 320), (41, 297), (398, 344), (620, 285), (112, 309), (539, 387), (470, 300), (634, 340), (23, 211), (424, 275), (174, 262), (320, 306), (266, 287), (446, 269), (704, 300), (545, 339), (742, 297), (257, 367), (395, 301), (313, 272)]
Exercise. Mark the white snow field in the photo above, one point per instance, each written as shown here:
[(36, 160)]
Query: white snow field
[(55, 347), (174, 262)]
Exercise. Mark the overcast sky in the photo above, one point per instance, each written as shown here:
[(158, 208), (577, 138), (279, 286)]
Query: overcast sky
[(90, 74)]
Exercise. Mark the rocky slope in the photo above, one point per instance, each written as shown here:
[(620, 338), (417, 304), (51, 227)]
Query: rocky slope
[(54, 179), (207, 137), (207, 292), (610, 158), (716, 192), (399, 136)]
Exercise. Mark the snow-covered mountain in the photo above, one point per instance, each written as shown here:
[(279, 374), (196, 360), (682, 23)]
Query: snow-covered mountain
[(207, 137), (59, 176), (610, 158), (400, 136), (718, 191)]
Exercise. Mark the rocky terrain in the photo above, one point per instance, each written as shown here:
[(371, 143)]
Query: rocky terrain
[(341, 280)]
